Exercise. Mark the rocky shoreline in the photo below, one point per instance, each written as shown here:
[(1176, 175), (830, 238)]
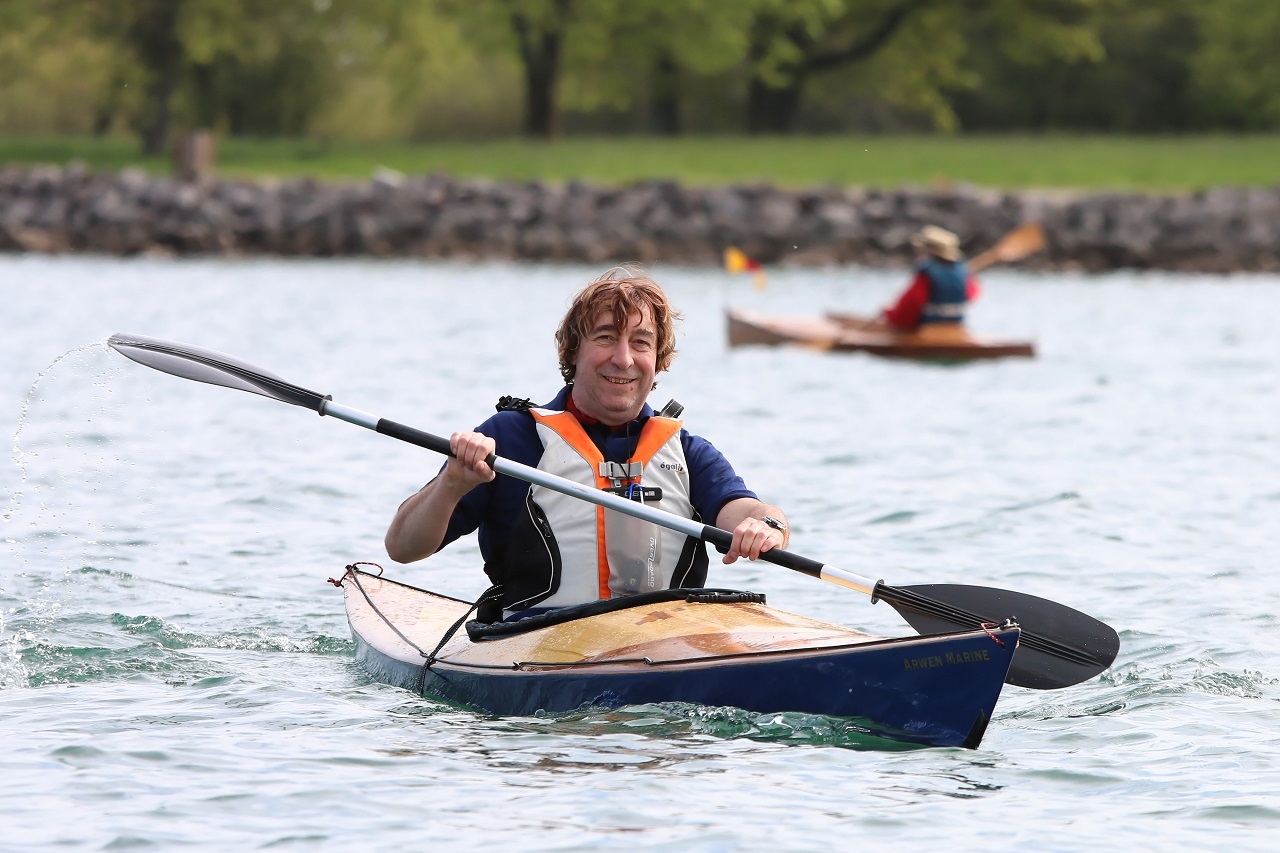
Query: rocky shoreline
[(61, 209)]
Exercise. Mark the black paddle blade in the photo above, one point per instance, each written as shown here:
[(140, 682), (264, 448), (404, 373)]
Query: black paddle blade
[(1060, 646), (215, 368)]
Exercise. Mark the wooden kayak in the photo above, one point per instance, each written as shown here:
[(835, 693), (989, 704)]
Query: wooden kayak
[(693, 646), (847, 333)]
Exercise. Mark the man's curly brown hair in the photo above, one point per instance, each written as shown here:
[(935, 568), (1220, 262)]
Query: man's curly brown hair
[(623, 291)]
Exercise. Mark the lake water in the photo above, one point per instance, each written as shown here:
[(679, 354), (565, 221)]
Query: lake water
[(175, 673)]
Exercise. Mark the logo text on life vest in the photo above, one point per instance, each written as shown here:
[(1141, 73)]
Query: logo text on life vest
[(650, 566)]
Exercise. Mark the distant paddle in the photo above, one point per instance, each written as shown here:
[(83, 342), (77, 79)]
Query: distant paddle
[(1021, 242), (1059, 646)]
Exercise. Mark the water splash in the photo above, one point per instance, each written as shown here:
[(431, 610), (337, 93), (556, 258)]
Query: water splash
[(64, 468), (13, 674), (20, 456), (30, 513)]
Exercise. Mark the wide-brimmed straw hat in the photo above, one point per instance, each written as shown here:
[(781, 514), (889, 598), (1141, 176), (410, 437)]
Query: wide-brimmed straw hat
[(938, 241)]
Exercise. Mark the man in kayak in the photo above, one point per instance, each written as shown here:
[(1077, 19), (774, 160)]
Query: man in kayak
[(942, 286), (547, 549)]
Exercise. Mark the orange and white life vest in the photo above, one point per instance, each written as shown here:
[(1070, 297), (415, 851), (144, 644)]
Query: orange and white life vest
[(579, 527)]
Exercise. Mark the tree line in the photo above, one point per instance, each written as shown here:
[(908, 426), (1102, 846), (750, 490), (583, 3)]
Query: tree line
[(423, 69)]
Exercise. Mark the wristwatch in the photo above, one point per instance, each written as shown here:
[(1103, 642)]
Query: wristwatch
[(775, 523)]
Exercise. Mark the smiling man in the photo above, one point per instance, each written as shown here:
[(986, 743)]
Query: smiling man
[(549, 550)]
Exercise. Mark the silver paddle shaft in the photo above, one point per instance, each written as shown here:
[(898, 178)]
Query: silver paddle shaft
[(704, 532)]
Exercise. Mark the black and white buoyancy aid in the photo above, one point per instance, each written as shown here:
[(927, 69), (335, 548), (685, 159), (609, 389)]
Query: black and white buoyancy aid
[(558, 553)]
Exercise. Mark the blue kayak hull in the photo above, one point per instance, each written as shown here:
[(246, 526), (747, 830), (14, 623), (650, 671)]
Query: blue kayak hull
[(904, 691)]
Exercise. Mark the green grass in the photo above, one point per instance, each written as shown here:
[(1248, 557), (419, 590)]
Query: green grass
[(1166, 163)]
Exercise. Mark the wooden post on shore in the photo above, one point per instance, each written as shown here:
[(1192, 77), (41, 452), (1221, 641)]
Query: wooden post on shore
[(194, 156)]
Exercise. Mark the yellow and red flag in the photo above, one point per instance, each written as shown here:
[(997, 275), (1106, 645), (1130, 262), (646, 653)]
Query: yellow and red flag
[(736, 261)]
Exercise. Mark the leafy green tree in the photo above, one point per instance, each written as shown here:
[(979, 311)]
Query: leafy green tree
[(148, 32), (917, 46), (261, 68), (258, 67), (1235, 81), (792, 41), (649, 53), (605, 55), (1138, 81), (537, 32), (410, 69), (53, 73)]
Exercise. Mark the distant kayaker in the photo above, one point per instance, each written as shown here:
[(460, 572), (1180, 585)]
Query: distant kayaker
[(942, 286), (548, 549)]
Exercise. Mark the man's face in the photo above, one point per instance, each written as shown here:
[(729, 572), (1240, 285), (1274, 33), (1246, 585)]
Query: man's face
[(614, 368)]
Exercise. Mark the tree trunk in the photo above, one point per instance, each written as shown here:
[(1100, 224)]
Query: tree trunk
[(540, 52), (664, 104), (771, 110), (156, 133), (154, 36)]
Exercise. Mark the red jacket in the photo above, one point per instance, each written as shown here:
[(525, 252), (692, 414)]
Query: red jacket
[(905, 313)]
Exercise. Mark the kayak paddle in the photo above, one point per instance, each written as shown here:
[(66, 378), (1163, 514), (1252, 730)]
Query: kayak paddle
[(1017, 244), (1059, 646)]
